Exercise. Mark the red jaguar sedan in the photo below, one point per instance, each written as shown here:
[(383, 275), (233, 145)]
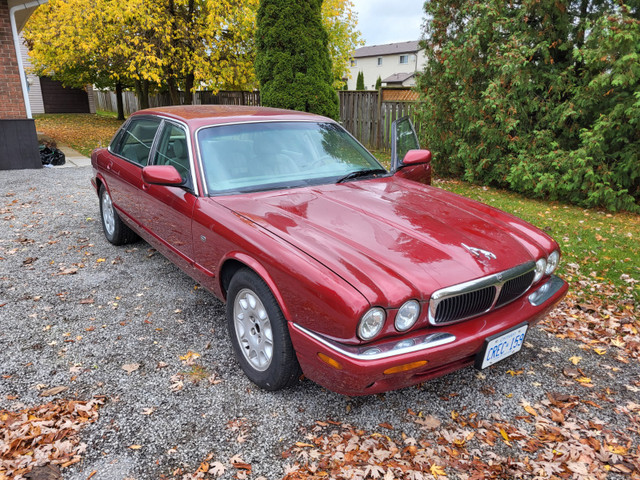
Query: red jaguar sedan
[(363, 279)]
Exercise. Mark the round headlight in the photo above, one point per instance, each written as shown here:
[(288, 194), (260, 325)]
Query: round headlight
[(541, 266), (552, 262), (371, 323), (407, 315)]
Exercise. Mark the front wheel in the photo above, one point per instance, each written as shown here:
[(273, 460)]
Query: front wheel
[(259, 333), (114, 228)]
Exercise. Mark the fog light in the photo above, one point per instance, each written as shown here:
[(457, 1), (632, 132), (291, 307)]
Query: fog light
[(404, 344), (330, 361), (372, 351), (405, 367)]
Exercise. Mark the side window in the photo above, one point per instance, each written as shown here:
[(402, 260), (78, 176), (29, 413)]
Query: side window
[(172, 150), (135, 141)]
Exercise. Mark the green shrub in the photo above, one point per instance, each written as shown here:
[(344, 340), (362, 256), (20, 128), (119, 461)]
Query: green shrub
[(542, 97)]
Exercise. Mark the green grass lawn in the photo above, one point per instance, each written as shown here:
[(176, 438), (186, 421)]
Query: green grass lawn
[(599, 248)]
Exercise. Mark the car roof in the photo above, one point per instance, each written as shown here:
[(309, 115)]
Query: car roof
[(201, 115)]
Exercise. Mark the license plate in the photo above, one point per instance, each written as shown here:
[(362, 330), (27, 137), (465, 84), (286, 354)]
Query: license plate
[(500, 346)]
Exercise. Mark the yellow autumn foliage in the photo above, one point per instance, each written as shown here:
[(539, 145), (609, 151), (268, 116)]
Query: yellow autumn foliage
[(173, 44)]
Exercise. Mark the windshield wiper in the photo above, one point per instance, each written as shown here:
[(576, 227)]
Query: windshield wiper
[(361, 173)]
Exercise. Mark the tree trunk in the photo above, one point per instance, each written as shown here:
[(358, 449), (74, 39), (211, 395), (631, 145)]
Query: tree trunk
[(174, 94), (119, 101), (188, 89), (145, 93), (142, 92)]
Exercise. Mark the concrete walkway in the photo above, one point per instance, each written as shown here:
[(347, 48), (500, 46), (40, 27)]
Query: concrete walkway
[(73, 158)]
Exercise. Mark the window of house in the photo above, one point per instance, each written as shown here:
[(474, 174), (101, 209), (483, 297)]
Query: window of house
[(404, 58), (379, 61), (354, 62)]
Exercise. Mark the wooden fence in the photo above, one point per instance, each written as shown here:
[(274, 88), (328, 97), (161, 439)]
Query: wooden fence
[(367, 115), (106, 100)]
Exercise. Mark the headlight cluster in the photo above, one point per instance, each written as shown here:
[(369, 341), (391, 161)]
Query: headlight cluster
[(546, 266), (372, 322)]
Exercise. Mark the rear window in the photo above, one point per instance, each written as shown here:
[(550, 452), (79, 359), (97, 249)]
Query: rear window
[(135, 139)]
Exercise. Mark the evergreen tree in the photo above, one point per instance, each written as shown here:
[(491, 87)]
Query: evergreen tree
[(360, 81), (539, 96), (378, 83), (293, 64)]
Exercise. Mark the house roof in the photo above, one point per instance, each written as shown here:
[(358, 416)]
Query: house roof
[(388, 49), (398, 77)]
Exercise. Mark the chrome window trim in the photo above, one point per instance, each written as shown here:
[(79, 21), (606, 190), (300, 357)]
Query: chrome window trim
[(388, 349), (496, 280)]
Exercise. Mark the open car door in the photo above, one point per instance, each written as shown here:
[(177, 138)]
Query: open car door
[(407, 160)]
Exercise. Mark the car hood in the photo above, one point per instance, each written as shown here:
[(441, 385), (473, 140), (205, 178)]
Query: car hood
[(391, 238)]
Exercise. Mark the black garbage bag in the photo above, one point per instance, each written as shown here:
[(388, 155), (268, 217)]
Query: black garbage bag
[(50, 155)]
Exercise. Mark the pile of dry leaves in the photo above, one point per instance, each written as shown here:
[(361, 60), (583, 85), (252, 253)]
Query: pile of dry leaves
[(553, 439), (599, 315), (43, 435)]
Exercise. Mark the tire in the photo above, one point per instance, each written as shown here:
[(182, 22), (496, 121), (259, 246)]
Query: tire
[(114, 228), (259, 333)]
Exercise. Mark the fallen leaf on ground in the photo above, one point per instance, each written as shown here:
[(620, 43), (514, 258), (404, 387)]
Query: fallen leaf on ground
[(131, 367), (53, 391)]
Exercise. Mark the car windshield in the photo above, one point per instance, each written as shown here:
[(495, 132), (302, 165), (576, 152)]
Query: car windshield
[(265, 156)]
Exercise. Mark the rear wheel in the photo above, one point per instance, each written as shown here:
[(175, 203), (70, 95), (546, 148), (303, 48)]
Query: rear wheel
[(114, 228), (259, 333)]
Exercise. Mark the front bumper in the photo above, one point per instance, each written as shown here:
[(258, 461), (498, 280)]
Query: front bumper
[(378, 367)]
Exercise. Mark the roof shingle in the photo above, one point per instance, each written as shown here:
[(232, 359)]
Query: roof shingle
[(388, 49)]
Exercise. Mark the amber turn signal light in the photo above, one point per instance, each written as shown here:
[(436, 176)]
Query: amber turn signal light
[(405, 367), (330, 361)]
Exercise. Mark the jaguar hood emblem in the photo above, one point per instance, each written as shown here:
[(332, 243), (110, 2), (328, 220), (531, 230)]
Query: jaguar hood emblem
[(477, 252)]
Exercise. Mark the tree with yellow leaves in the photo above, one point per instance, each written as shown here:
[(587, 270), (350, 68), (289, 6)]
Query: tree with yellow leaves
[(164, 45), (341, 22)]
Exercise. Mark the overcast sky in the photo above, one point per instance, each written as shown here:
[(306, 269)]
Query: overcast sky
[(389, 21)]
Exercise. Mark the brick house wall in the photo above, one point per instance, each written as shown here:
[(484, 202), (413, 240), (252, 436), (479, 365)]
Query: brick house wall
[(12, 102)]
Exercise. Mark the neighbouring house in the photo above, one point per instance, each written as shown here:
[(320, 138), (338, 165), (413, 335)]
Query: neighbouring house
[(395, 63), (18, 140), (49, 96)]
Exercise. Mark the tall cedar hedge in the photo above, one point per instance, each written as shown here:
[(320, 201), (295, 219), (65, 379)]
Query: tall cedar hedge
[(292, 60), (540, 96)]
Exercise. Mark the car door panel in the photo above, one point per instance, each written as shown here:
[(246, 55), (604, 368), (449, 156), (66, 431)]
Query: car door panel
[(166, 211)]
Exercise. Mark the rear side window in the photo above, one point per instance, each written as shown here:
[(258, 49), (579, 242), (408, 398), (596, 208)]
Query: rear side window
[(134, 142)]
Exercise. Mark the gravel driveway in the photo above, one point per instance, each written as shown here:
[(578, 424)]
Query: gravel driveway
[(74, 310)]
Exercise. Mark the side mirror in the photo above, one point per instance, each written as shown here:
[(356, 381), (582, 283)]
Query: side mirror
[(416, 166), (416, 157), (162, 175)]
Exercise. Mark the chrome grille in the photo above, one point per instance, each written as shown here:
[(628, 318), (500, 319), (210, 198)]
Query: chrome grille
[(462, 306), (470, 299), (514, 288)]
